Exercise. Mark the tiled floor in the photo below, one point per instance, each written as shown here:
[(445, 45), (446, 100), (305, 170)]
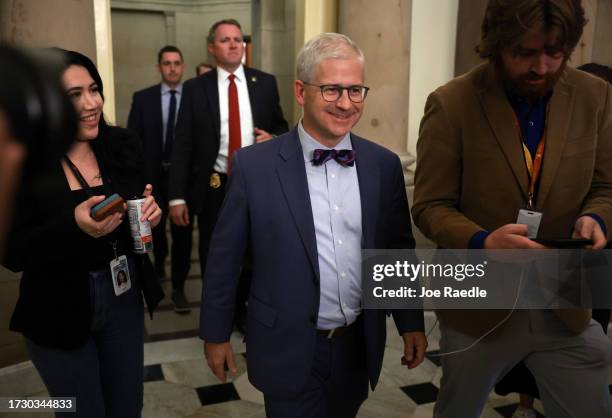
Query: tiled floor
[(179, 384)]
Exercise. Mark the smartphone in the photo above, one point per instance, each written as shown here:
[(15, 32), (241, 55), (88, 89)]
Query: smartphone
[(565, 243), (112, 204)]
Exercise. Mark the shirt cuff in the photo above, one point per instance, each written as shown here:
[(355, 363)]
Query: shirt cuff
[(176, 202), (477, 240), (599, 221)]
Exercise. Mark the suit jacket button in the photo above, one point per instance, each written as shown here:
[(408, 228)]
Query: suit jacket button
[(313, 319)]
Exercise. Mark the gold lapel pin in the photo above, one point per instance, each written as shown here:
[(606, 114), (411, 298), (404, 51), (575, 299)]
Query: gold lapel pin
[(253, 79)]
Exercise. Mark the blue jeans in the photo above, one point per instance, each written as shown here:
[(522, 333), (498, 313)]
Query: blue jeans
[(105, 375)]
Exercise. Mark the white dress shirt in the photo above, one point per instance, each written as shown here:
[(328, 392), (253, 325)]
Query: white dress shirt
[(246, 117), (336, 212)]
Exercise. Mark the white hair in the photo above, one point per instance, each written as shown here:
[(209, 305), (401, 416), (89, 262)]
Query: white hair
[(322, 47)]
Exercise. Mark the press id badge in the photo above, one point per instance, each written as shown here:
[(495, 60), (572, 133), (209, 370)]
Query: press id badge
[(121, 275), (532, 219)]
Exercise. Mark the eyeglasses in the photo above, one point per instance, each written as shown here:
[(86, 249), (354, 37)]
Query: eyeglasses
[(333, 92)]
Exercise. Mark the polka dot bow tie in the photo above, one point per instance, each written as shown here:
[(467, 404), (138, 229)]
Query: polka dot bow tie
[(344, 157)]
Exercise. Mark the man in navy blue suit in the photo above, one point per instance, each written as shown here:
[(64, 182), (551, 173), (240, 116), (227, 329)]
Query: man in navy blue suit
[(153, 118), (304, 205)]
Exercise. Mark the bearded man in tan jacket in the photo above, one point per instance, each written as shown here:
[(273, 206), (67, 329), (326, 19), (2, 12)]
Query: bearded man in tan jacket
[(482, 138)]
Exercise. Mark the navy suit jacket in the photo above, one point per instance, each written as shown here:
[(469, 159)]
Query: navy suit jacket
[(198, 130), (146, 121), (267, 209)]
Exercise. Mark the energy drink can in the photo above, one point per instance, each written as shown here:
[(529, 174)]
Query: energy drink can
[(140, 230)]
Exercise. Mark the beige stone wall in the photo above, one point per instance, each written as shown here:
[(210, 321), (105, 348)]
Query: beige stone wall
[(386, 46), (135, 54), (67, 24), (434, 29)]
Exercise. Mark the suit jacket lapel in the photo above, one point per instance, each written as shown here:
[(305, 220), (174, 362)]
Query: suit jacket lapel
[(292, 176), (211, 88), (157, 117), (252, 86), (499, 113), (557, 126), (369, 188)]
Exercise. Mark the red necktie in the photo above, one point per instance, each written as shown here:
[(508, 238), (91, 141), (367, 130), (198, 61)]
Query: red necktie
[(235, 138)]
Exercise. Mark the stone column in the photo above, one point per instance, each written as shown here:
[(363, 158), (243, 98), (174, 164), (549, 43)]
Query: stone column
[(434, 31), (386, 46)]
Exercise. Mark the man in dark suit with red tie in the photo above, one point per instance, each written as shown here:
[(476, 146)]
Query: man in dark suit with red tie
[(153, 118), (230, 107)]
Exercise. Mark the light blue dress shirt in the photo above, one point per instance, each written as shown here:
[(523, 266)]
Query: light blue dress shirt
[(165, 103), (336, 211)]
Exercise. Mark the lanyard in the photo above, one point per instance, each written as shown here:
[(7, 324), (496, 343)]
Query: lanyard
[(82, 180), (87, 190), (534, 166)]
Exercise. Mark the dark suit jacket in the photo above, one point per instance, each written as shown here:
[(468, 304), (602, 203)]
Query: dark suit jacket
[(146, 121), (267, 207), (54, 254), (197, 138), (471, 173)]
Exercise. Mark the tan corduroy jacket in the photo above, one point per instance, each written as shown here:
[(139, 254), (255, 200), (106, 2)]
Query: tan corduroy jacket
[(471, 173)]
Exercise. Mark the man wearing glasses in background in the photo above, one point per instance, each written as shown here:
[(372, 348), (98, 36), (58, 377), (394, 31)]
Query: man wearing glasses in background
[(305, 204)]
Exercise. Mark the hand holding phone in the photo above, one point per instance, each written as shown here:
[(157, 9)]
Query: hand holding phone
[(565, 243), (112, 204), (93, 228)]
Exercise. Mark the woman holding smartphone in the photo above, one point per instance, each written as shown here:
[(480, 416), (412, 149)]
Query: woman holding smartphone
[(83, 331)]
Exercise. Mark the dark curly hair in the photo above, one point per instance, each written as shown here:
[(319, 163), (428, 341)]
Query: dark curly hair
[(506, 21)]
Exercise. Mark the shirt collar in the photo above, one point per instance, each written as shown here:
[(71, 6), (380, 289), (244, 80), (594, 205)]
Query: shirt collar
[(165, 88), (222, 74), (518, 101), (309, 144)]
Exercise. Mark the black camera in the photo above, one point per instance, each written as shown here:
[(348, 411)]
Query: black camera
[(32, 99)]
